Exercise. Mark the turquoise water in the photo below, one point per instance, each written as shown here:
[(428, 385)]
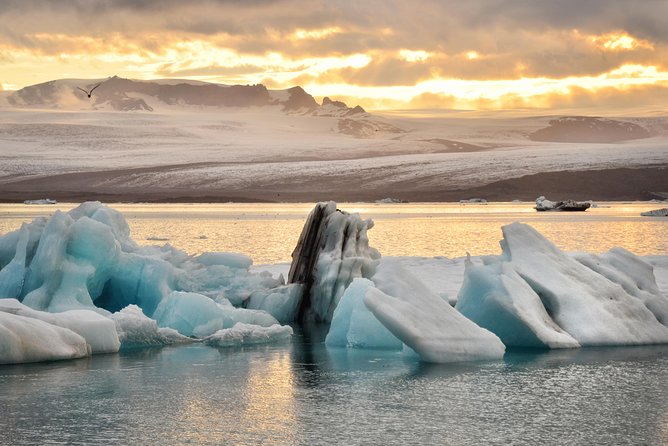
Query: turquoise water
[(302, 393)]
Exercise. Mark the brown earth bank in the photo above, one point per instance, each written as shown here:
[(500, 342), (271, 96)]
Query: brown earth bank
[(604, 185)]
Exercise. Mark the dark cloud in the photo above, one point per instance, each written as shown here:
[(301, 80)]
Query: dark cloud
[(514, 37)]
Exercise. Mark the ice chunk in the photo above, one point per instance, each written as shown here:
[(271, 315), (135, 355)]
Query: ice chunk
[(137, 330), (543, 204), (229, 259), (233, 315), (12, 275), (245, 334), (24, 339), (663, 212), (73, 261), (495, 297), (633, 274), (591, 308), (281, 302), (424, 321), (190, 314), (85, 259), (139, 279), (441, 275), (332, 250), (98, 331), (353, 325)]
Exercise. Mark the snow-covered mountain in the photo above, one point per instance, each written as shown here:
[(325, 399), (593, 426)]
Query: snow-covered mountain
[(189, 140), (121, 94)]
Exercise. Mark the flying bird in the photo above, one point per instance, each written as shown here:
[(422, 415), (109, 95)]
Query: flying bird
[(89, 92)]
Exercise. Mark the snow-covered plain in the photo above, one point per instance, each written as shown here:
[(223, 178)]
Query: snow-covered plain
[(247, 151), (77, 284)]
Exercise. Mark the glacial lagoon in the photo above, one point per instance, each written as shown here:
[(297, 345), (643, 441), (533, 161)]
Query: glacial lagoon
[(304, 393), (268, 232)]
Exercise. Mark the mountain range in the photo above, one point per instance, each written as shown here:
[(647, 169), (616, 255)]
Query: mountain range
[(183, 140)]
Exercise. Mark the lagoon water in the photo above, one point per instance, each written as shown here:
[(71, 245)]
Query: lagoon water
[(269, 232), (306, 394), (303, 393)]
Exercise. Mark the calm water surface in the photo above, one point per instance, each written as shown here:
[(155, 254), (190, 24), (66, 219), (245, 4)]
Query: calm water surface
[(269, 232), (303, 393)]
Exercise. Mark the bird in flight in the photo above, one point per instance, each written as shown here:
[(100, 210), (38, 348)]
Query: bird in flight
[(89, 92)]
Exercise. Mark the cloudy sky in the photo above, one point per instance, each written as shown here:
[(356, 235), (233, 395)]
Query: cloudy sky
[(384, 54)]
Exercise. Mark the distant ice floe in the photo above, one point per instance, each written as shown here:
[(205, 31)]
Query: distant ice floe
[(663, 212), (41, 201), (77, 284), (543, 204)]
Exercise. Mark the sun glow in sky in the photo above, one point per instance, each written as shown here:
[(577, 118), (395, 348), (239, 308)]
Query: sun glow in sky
[(481, 54)]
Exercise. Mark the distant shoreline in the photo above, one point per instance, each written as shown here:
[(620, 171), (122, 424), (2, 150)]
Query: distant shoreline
[(620, 184)]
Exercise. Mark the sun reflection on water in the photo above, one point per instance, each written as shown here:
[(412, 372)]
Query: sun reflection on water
[(269, 232)]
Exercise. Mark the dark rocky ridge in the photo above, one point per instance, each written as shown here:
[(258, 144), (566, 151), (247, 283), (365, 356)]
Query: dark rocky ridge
[(118, 93)]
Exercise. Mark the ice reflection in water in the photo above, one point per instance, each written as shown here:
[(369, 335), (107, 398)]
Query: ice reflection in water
[(305, 394), (269, 232)]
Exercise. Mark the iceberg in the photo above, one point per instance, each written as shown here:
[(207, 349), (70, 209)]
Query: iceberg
[(663, 212), (82, 270), (354, 325), (136, 330), (24, 339), (246, 334), (98, 331), (281, 302), (585, 304), (425, 322), (333, 249), (495, 297), (633, 274)]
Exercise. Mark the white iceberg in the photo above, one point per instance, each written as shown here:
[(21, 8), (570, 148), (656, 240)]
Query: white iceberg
[(281, 302), (425, 322), (588, 306), (98, 331), (135, 330), (24, 339), (633, 274), (354, 325), (495, 297), (245, 334)]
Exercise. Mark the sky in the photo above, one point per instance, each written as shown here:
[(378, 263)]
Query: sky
[(472, 54)]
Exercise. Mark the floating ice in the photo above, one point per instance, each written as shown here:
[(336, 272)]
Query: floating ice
[(85, 261), (281, 302), (98, 331), (424, 321), (495, 297), (633, 274), (663, 212), (135, 330), (190, 314), (229, 259), (245, 334), (353, 325), (40, 201), (332, 250), (24, 339), (588, 306)]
